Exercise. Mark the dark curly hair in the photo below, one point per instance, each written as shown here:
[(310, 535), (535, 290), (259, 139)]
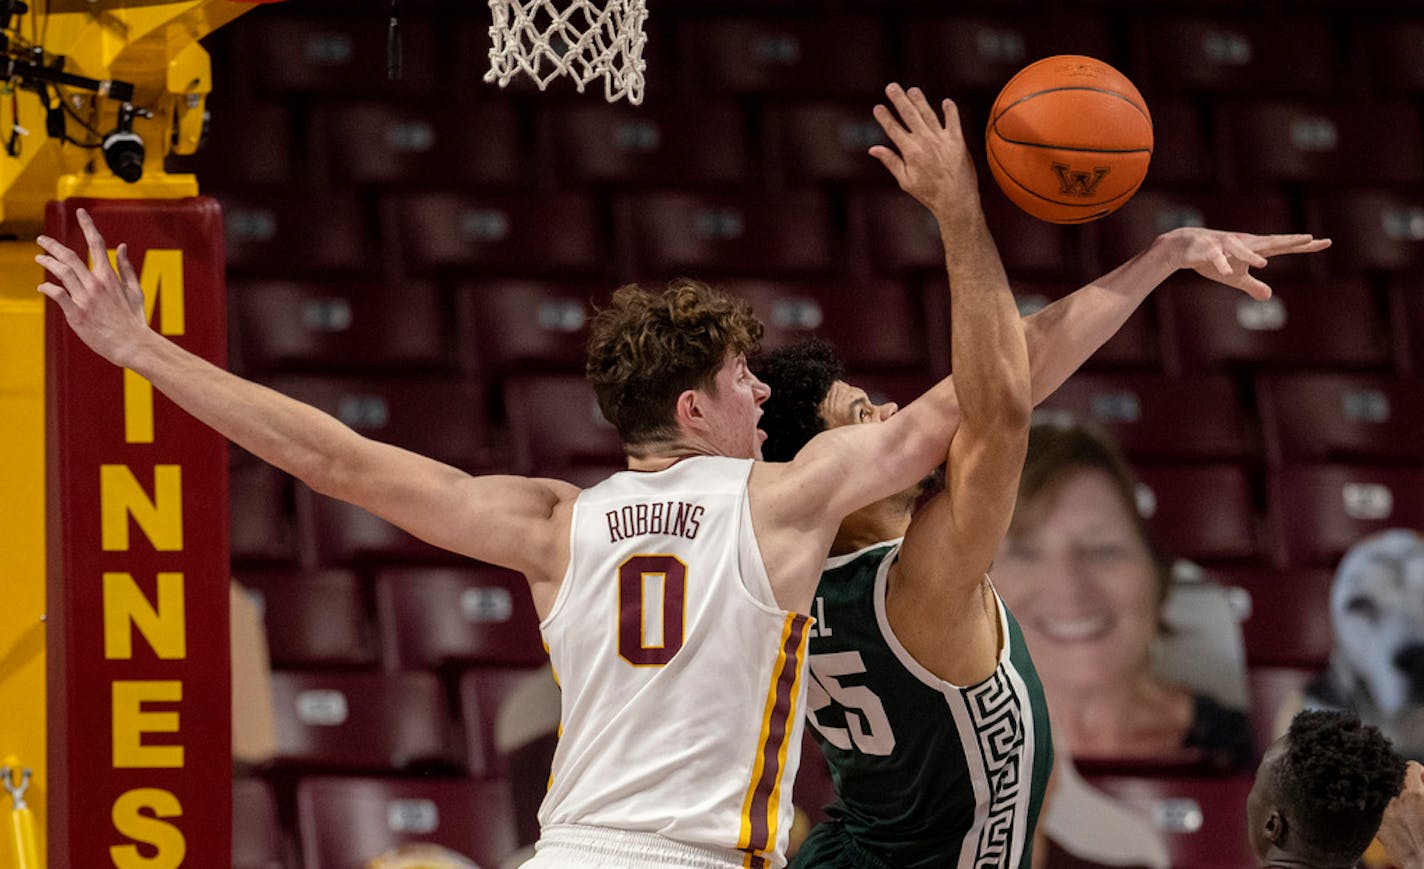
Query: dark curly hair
[(647, 347), (800, 376), (1334, 781)]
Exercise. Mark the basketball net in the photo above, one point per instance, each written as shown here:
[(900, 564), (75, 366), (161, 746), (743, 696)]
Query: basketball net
[(581, 39)]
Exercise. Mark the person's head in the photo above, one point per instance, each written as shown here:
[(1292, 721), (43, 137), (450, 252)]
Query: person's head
[(812, 396), (1079, 566), (671, 365), (1321, 789)]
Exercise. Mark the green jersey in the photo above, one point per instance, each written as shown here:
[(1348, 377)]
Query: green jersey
[(926, 773)]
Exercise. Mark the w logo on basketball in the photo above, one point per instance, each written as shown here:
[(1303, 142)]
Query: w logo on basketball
[(1072, 182)]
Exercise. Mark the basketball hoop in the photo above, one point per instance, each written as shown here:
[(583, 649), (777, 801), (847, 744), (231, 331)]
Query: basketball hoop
[(581, 39)]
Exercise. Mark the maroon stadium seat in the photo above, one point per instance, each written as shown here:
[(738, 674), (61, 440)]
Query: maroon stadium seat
[(556, 425), (677, 233), (1393, 52), (248, 144), (276, 233), (1332, 417), (799, 58), (440, 417), (284, 325), (360, 721), (1202, 512), (432, 617), (1372, 229), (598, 143), (512, 326), (262, 513), (544, 233), (430, 143), (1289, 625), (1134, 345), (314, 618), (333, 55), (873, 324), (821, 141), (1279, 56), (342, 533), (482, 693), (896, 234), (1330, 143), (1407, 313), (1154, 211), (1317, 512), (1153, 417), (256, 834), (1182, 151), (1210, 326), (1273, 690), (344, 822), (1201, 819), (951, 55)]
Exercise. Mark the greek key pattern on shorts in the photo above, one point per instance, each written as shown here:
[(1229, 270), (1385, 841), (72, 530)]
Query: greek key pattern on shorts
[(997, 714)]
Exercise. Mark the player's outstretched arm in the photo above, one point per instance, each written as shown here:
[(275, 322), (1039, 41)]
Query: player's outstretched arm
[(950, 544), (1402, 828), (1064, 334), (499, 519)]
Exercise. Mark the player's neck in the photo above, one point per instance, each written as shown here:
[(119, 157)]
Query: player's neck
[(881, 521), (658, 455)]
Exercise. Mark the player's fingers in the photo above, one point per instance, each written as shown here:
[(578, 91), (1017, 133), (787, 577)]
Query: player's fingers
[(1238, 248), (132, 288), (59, 294), (61, 254), (951, 117), (891, 125), (98, 252), (1254, 287), (923, 109), (891, 161), (1270, 245), (70, 274), (909, 115), (1223, 265)]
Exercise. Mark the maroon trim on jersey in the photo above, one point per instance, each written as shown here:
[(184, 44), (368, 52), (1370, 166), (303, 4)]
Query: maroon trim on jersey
[(769, 767)]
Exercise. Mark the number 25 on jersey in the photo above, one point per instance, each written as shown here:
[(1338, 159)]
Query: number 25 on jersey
[(866, 726)]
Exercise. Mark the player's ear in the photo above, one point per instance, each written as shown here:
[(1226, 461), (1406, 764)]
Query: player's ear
[(1275, 827), (688, 411)]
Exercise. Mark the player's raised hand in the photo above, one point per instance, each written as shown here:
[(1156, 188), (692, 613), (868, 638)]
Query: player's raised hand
[(929, 159), (1402, 828), (103, 307), (1228, 257)]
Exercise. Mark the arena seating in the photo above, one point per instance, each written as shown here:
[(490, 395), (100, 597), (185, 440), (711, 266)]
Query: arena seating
[(420, 257)]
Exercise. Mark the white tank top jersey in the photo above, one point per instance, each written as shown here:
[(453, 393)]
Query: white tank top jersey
[(683, 681)]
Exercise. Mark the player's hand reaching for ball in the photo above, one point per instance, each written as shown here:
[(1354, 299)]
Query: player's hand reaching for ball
[(929, 160), (1228, 257), (104, 307), (1402, 829)]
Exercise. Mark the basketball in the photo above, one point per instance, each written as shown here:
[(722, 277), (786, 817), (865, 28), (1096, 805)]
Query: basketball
[(1069, 139)]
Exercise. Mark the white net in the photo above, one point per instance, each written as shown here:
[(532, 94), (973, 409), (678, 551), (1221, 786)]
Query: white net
[(581, 39)]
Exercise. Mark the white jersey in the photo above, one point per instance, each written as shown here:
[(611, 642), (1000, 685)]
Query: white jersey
[(682, 679)]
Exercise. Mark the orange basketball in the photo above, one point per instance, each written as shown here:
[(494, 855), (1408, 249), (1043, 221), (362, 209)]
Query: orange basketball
[(1069, 139)]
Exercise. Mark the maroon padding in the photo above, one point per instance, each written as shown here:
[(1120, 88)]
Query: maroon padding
[(344, 822), (360, 721), (432, 617)]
